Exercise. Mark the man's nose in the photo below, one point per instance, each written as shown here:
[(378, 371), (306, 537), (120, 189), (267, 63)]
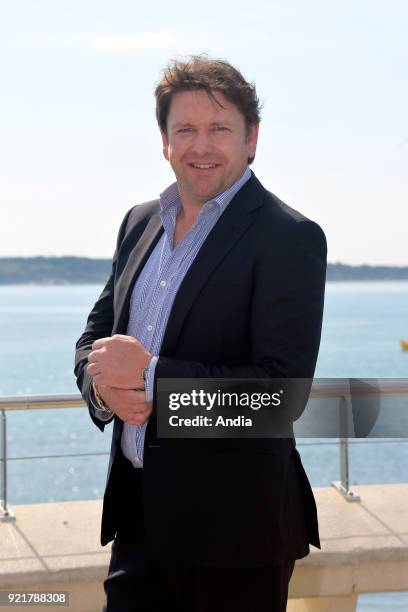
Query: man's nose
[(202, 144)]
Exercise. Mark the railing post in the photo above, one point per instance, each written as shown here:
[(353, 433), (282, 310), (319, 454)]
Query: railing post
[(343, 484), (5, 512)]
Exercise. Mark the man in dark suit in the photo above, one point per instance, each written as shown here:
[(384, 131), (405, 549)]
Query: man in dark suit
[(217, 279)]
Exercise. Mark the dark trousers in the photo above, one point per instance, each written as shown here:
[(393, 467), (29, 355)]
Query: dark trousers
[(137, 582)]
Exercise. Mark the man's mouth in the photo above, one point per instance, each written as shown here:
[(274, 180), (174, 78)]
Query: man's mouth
[(208, 166)]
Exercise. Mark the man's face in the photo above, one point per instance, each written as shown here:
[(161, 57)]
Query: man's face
[(207, 146)]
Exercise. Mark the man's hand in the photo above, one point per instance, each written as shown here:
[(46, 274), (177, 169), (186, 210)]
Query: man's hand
[(128, 404), (118, 361)]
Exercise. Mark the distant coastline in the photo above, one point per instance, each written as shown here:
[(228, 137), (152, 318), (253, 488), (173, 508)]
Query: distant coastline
[(83, 270)]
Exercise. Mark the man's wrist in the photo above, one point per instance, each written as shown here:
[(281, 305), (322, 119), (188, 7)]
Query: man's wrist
[(99, 400)]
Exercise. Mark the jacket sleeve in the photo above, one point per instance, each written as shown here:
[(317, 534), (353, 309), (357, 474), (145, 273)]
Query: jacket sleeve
[(286, 314), (99, 325)]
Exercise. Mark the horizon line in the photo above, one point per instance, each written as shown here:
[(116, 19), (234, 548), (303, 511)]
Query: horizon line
[(92, 258)]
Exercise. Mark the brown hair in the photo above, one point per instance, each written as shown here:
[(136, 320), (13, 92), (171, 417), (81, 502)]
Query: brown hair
[(200, 72)]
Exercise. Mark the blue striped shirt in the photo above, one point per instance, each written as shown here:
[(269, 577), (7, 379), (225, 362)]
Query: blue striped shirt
[(157, 285)]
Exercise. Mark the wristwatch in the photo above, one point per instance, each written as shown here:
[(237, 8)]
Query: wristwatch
[(144, 375)]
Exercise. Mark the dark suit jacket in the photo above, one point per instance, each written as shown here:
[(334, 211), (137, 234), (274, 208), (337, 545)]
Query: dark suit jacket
[(250, 306)]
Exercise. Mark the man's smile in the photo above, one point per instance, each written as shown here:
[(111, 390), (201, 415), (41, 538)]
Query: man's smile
[(204, 167)]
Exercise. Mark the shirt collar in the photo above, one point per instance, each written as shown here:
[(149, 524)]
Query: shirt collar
[(170, 197)]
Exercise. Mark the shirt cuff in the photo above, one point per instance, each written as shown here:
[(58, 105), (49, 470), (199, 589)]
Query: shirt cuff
[(150, 378), (100, 414)]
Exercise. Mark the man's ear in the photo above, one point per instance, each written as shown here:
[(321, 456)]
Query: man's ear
[(165, 144), (252, 139)]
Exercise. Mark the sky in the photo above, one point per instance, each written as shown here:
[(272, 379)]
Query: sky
[(79, 143)]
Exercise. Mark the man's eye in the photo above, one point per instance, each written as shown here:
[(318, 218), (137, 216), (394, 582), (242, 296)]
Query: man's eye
[(184, 130), (220, 128)]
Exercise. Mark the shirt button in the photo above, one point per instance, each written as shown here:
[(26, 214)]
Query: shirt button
[(163, 283), (150, 328)]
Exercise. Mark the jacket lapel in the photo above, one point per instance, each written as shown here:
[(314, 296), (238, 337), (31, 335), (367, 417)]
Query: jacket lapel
[(233, 223), (134, 265)]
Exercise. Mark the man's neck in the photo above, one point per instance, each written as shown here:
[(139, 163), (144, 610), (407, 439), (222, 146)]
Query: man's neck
[(188, 213), (190, 206)]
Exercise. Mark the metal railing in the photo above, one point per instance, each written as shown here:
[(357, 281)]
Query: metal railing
[(29, 402), (335, 388)]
